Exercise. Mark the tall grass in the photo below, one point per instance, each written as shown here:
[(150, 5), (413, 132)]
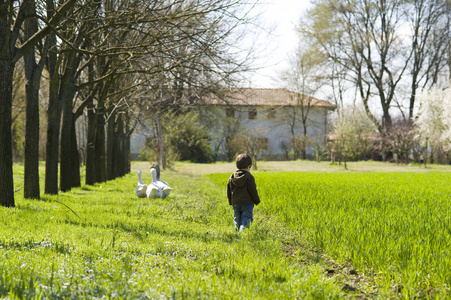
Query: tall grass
[(103, 242), (395, 226)]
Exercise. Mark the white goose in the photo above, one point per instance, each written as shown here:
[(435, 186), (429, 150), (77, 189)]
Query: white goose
[(163, 185), (153, 190), (142, 187)]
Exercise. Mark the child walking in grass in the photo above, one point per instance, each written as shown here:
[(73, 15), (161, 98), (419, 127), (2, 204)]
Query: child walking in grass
[(242, 192)]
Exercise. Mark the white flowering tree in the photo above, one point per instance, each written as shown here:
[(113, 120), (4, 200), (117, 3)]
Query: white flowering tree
[(434, 122), (446, 119)]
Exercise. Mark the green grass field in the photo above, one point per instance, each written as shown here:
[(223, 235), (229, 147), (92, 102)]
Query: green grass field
[(316, 235)]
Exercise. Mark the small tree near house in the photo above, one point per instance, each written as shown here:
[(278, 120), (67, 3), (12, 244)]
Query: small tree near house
[(305, 77), (222, 130), (351, 136), (398, 139), (253, 143)]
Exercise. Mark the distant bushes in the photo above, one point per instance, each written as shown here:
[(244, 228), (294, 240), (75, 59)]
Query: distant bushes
[(184, 138)]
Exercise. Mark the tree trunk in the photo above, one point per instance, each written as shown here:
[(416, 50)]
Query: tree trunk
[(110, 146), (100, 170), (121, 157), (31, 163), (75, 158), (90, 147), (66, 127), (53, 137), (116, 147), (53, 122), (52, 145), (120, 149), (127, 154), (33, 76), (161, 141), (67, 90), (304, 142), (6, 87)]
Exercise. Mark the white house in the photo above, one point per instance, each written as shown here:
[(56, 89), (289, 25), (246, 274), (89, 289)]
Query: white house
[(276, 115)]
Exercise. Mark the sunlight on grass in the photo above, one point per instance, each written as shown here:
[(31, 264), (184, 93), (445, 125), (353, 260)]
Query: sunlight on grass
[(102, 240), (395, 226), (314, 236)]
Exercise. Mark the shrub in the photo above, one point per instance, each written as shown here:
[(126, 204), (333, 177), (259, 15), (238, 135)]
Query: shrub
[(185, 136)]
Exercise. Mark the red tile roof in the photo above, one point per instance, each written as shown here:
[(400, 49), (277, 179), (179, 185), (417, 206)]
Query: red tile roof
[(268, 97)]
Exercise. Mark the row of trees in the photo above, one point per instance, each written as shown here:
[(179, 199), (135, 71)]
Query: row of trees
[(386, 52), (427, 138), (381, 55), (115, 61), (378, 60)]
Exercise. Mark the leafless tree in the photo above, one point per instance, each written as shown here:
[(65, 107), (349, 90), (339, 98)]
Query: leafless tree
[(383, 45), (12, 48), (430, 22), (304, 78), (175, 47), (251, 142), (352, 135), (102, 56), (399, 139)]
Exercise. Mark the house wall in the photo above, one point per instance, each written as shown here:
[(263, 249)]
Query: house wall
[(138, 141), (270, 123), (274, 125)]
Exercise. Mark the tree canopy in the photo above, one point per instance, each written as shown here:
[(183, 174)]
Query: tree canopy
[(387, 51), (115, 62)]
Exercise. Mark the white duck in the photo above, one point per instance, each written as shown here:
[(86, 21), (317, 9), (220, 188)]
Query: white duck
[(153, 190), (142, 187), (163, 185)]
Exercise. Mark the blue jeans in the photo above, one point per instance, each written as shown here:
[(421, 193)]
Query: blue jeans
[(243, 216)]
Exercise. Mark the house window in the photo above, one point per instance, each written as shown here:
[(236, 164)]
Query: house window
[(230, 112), (271, 113), (252, 113)]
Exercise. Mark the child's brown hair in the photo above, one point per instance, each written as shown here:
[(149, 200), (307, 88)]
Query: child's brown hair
[(243, 161)]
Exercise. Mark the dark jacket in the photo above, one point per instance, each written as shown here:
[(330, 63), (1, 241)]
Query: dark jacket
[(241, 189)]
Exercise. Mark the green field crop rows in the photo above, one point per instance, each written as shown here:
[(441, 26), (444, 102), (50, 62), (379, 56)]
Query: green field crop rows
[(391, 229), (119, 246), (394, 225)]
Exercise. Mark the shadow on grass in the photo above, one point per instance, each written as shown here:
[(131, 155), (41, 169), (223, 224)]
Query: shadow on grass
[(144, 229)]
